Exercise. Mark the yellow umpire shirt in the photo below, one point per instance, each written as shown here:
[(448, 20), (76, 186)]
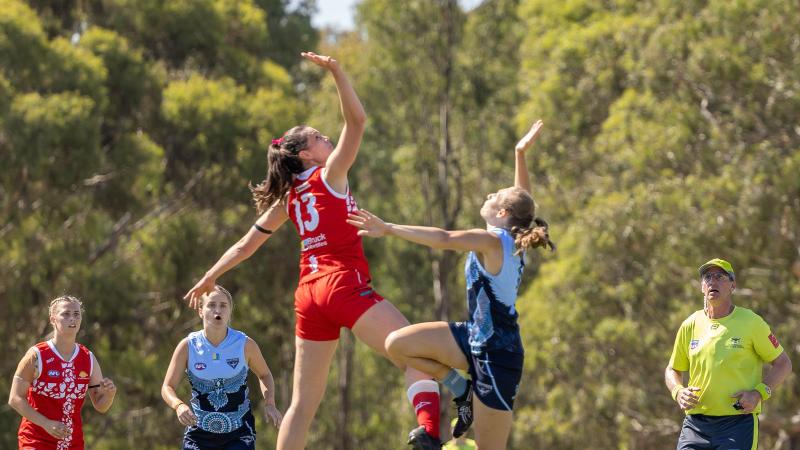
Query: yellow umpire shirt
[(723, 356)]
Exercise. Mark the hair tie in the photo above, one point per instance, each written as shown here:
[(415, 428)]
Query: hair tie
[(277, 142)]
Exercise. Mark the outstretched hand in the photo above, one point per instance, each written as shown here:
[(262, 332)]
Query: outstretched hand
[(529, 137), (204, 286), (370, 224), (321, 60)]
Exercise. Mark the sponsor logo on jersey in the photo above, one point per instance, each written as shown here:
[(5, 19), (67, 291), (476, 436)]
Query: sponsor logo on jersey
[(314, 242), (714, 326), (83, 374), (199, 366), (694, 343), (53, 373), (735, 342), (233, 362), (50, 359), (774, 340)]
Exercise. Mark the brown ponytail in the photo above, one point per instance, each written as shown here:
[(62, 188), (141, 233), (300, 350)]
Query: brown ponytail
[(529, 231), (283, 162), (533, 236)]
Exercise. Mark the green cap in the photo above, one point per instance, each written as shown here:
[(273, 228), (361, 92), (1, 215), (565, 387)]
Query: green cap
[(717, 262)]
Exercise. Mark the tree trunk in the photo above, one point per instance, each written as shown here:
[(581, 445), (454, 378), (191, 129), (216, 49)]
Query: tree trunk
[(346, 349)]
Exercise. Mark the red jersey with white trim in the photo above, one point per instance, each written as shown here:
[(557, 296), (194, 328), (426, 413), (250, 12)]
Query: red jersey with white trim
[(327, 242), (57, 394)]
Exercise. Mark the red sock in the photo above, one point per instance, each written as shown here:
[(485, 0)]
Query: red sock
[(424, 395)]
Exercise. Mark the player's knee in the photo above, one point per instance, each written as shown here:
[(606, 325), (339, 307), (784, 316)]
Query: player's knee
[(394, 345)]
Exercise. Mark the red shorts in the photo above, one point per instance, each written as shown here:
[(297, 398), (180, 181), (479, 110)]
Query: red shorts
[(325, 304)]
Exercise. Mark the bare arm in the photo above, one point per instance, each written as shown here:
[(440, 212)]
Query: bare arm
[(265, 381), (521, 177), (685, 396), (355, 118), (271, 220), (18, 397), (476, 240), (180, 358), (102, 396), (781, 368)]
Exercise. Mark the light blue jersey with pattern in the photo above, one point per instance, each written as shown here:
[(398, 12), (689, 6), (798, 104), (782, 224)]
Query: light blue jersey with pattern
[(491, 299), (218, 375)]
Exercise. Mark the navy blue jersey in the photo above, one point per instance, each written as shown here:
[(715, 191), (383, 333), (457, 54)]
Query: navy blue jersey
[(491, 299), (220, 398)]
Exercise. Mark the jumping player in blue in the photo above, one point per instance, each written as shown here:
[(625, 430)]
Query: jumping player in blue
[(488, 344), (216, 360)]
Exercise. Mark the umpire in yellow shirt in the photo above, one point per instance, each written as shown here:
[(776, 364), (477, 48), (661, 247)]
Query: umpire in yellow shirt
[(723, 347)]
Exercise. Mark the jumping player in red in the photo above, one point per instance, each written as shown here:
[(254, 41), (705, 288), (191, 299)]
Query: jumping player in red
[(52, 380), (307, 183)]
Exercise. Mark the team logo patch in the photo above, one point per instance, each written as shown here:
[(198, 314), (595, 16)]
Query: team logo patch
[(215, 356), (233, 362), (83, 374), (199, 366), (53, 373), (714, 326), (694, 343), (774, 340)]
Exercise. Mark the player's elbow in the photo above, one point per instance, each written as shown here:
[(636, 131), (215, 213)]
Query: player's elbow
[(787, 363), (358, 118)]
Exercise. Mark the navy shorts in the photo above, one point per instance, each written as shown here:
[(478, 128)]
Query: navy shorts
[(201, 440), (701, 432), (495, 373)]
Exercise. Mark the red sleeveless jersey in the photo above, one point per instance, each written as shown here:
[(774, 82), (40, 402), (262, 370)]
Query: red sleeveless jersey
[(327, 243), (57, 394)]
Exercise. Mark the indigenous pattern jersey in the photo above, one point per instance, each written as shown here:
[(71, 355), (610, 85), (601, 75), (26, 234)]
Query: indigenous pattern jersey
[(220, 398), (723, 356), (491, 300), (328, 243), (57, 394)]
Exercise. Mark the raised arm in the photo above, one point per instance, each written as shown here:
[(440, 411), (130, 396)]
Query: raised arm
[(101, 390), (180, 357), (343, 156), (256, 362), (18, 397), (256, 236), (521, 177), (476, 240)]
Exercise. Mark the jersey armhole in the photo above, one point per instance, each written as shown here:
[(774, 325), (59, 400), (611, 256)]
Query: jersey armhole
[(38, 363), (331, 189), (91, 364)]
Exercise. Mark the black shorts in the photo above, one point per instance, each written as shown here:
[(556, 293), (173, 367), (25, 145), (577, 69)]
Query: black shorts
[(699, 432), (495, 373), (201, 440)]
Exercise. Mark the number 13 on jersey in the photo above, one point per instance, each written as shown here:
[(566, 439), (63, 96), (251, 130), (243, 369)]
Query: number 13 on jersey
[(312, 223)]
